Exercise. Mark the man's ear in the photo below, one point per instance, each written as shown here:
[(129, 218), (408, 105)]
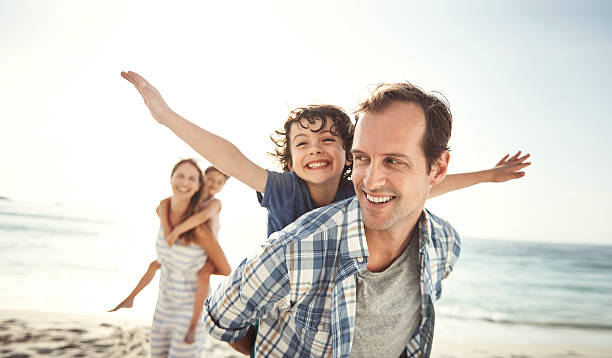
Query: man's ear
[(290, 164), (438, 168)]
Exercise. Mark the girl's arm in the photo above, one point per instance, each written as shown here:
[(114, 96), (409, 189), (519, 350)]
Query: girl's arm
[(506, 169), (162, 212), (194, 221), (214, 253), (218, 151)]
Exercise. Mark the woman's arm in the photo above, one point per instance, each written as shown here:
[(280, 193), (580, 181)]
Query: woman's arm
[(214, 253), (218, 151), (194, 221), (506, 169), (162, 211)]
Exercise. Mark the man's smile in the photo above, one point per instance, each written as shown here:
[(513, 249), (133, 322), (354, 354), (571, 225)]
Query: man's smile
[(378, 199)]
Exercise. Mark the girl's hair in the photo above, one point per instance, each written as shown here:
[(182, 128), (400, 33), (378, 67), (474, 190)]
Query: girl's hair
[(341, 127), (213, 168), (196, 199)]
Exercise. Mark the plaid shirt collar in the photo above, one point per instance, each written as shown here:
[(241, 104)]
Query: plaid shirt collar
[(356, 246)]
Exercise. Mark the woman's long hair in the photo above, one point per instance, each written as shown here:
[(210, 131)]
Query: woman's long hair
[(196, 199)]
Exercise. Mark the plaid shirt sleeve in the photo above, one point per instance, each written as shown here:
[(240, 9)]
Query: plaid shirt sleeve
[(257, 286), (443, 248), (452, 245)]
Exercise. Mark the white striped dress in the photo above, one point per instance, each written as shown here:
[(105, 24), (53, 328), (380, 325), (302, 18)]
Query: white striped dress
[(180, 265)]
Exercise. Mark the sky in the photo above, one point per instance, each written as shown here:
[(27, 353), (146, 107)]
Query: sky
[(525, 75)]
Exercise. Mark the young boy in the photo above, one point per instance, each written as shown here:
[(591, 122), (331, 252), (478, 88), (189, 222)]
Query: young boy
[(314, 149), (215, 181)]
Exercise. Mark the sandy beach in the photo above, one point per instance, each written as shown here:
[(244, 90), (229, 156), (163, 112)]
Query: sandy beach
[(34, 334), (40, 334)]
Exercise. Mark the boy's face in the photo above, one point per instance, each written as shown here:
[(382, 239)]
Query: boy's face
[(316, 157), (214, 182)]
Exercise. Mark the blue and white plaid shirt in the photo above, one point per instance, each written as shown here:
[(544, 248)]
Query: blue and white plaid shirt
[(303, 288)]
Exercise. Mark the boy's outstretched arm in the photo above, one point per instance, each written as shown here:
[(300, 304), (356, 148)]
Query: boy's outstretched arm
[(218, 151), (194, 221), (506, 169)]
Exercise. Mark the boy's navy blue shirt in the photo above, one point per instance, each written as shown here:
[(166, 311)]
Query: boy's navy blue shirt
[(287, 198)]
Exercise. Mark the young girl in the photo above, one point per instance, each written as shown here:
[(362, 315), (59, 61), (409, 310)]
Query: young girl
[(180, 231), (314, 149)]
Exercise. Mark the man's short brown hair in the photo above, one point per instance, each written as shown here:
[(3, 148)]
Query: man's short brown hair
[(438, 118)]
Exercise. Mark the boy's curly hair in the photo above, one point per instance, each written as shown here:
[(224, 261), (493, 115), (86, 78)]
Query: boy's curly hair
[(342, 127)]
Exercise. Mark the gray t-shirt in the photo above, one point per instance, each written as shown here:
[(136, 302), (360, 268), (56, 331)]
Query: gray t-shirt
[(388, 306)]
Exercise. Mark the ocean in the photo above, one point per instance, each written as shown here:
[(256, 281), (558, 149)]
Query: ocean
[(74, 260)]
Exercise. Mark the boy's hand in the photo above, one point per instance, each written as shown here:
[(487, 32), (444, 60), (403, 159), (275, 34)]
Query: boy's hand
[(153, 100), (509, 168)]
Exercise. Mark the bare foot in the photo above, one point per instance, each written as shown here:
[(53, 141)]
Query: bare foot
[(127, 303), (190, 336)]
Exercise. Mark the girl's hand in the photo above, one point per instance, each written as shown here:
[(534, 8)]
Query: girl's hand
[(171, 239)]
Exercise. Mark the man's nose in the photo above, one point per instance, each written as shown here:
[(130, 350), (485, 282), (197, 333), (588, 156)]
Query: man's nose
[(375, 177)]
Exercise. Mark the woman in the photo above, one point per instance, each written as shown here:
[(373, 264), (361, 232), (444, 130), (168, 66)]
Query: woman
[(177, 329)]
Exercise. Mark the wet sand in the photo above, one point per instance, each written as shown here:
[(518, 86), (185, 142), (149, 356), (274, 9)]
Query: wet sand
[(35, 334)]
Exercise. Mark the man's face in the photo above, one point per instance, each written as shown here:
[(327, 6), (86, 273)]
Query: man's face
[(316, 157), (390, 169)]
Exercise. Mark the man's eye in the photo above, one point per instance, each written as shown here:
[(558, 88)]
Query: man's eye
[(329, 140), (393, 161), (359, 157), (299, 144)]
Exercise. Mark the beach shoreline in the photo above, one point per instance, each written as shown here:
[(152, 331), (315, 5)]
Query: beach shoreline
[(45, 334), (454, 338)]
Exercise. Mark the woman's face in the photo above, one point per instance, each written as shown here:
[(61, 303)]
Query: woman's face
[(185, 181)]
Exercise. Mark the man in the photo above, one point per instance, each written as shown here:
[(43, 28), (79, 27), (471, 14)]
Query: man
[(358, 277)]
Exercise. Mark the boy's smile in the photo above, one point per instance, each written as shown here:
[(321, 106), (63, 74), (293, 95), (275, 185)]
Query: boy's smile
[(317, 164), (317, 157)]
